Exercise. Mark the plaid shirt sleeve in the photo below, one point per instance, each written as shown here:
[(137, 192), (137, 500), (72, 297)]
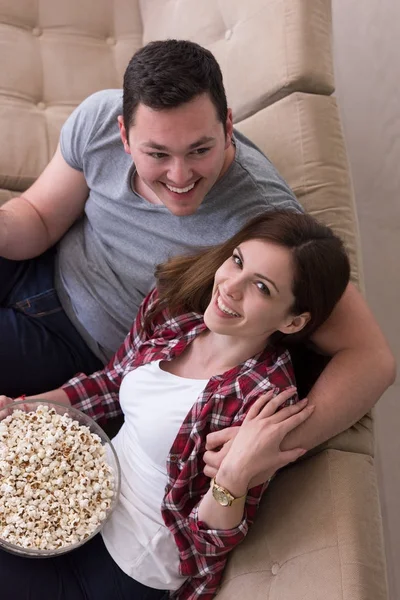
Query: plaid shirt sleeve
[(214, 542), (98, 394), (217, 542)]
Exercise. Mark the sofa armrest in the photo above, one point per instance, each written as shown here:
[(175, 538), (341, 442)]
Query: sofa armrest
[(317, 536)]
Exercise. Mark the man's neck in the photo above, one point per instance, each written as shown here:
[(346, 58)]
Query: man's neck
[(228, 160)]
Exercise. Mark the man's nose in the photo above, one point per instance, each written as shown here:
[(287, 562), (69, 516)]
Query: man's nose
[(179, 172)]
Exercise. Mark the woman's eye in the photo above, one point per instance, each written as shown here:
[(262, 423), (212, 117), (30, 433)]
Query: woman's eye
[(157, 155), (237, 260), (263, 288)]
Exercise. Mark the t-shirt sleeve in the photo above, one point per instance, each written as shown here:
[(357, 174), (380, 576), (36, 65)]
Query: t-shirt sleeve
[(79, 128)]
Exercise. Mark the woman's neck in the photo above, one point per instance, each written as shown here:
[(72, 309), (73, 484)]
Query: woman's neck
[(212, 354), (224, 352)]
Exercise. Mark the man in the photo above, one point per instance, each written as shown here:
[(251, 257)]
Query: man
[(80, 246)]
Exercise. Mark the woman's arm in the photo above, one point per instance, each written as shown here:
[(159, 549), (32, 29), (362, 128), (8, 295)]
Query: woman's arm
[(98, 394), (254, 456), (57, 395)]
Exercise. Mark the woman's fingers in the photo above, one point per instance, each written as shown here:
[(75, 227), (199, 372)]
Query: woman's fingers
[(266, 405), (216, 439), (290, 456), (213, 459), (288, 411), (210, 471), (295, 420), (4, 400), (258, 405), (270, 409)]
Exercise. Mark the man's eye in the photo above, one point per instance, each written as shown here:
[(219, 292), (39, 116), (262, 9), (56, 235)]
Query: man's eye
[(263, 288), (157, 155), (200, 151), (237, 260)]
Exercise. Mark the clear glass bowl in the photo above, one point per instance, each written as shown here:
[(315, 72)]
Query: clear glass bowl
[(111, 458)]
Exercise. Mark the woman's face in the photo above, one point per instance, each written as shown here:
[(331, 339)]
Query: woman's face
[(252, 293)]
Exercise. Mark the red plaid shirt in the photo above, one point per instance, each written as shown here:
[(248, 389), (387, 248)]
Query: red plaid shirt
[(223, 403)]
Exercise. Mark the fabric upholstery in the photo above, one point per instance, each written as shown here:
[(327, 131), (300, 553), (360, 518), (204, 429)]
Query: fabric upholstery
[(318, 537)]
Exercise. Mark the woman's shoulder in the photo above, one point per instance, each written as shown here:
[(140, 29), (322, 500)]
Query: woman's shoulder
[(272, 368)]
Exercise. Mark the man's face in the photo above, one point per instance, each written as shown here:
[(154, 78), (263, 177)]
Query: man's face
[(179, 153)]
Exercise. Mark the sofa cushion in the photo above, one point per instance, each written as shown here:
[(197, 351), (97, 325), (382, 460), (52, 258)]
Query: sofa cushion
[(317, 535), (55, 54), (302, 136)]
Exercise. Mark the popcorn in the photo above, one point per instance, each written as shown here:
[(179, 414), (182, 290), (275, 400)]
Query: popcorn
[(56, 486)]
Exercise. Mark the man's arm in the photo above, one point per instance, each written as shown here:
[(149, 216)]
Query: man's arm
[(361, 369), (33, 222)]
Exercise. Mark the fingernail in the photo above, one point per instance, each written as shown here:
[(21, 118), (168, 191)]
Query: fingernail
[(303, 401)]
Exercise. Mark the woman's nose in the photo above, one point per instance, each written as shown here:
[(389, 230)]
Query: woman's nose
[(233, 288)]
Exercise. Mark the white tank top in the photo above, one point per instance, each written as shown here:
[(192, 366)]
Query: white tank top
[(155, 404)]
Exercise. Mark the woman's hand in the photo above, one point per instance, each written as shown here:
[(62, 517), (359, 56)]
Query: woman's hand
[(254, 453), (4, 400)]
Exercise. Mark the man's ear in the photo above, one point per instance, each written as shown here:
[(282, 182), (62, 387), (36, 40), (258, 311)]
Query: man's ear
[(229, 128), (295, 323), (123, 134)]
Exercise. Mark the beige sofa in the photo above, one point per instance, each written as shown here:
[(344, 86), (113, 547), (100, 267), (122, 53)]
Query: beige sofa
[(318, 535)]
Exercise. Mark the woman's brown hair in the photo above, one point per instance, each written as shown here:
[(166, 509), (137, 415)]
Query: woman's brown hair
[(321, 268)]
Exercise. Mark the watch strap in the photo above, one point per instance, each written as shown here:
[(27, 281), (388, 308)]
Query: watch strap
[(231, 498)]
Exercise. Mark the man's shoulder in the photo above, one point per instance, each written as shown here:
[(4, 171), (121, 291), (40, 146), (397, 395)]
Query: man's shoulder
[(91, 128), (94, 115), (104, 102), (255, 181), (256, 165)]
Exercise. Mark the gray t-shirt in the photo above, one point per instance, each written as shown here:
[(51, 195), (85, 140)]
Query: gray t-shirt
[(107, 258)]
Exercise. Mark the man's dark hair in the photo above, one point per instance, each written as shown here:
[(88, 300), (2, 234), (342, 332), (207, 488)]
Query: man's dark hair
[(166, 74)]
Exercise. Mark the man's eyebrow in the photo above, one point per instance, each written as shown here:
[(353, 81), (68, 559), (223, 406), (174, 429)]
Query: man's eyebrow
[(258, 274), (154, 146), (203, 140)]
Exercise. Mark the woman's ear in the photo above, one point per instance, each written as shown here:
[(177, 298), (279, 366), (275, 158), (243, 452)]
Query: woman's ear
[(295, 323)]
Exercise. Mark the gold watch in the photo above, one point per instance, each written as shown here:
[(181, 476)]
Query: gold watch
[(222, 495)]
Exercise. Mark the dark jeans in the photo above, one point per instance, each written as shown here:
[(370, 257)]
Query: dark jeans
[(88, 573), (40, 349)]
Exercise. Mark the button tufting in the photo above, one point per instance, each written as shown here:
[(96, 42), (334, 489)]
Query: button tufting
[(275, 569), (41, 105), (36, 31), (228, 34), (111, 41)]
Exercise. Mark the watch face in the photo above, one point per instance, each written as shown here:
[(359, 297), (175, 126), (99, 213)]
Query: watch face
[(220, 497)]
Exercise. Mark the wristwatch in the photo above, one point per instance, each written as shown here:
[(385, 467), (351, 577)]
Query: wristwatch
[(222, 495)]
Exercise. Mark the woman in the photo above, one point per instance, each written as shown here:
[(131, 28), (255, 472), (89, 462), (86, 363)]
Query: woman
[(206, 346)]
